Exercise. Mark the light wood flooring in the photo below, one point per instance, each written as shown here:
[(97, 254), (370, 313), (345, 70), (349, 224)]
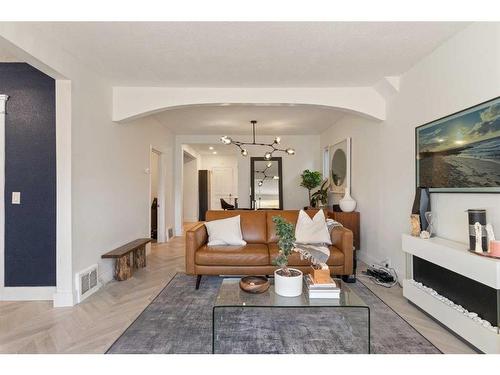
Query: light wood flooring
[(92, 326), (443, 339)]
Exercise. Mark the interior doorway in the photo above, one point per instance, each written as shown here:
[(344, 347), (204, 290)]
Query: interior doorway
[(154, 194), (223, 187), (190, 189)]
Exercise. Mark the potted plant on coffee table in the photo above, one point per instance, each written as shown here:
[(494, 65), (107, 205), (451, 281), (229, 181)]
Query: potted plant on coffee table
[(287, 281)]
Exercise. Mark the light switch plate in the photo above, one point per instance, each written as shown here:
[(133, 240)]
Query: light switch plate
[(16, 197)]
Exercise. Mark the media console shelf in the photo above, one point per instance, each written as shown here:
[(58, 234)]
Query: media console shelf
[(473, 282)]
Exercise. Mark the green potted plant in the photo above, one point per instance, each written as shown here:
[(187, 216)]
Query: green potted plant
[(310, 180), (287, 281), (320, 197)]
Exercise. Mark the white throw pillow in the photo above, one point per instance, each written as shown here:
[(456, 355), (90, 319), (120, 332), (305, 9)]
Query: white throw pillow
[(312, 231), (225, 232)]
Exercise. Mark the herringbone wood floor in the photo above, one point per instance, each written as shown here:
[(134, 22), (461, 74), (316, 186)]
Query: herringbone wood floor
[(92, 326)]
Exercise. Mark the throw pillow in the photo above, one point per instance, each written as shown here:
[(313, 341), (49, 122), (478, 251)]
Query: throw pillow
[(312, 231), (225, 232)]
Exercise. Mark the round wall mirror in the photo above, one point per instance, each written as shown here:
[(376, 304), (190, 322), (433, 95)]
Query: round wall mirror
[(339, 167)]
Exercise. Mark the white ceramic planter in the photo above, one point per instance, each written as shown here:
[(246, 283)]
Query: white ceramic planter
[(288, 286)]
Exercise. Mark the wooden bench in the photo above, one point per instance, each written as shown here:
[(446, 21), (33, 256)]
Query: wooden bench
[(129, 257)]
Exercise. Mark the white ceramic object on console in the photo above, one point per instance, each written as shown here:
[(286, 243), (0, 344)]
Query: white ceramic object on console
[(425, 235), (347, 204), (288, 286)]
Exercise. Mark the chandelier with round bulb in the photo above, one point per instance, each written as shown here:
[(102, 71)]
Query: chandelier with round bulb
[(273, 147)]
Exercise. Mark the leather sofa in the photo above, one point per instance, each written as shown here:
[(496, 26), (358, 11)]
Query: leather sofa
[(256, 257)]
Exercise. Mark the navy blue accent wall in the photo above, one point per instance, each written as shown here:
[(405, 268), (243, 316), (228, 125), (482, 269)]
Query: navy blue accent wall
[(30, 168)]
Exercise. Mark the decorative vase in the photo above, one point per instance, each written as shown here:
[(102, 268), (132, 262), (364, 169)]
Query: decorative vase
[(347, 204), (477, 216), (288, 286)]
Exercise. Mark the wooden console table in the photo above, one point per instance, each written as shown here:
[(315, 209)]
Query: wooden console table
[(350, 220)]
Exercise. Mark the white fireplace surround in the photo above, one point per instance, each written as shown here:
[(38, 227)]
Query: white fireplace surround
[(455, 257)]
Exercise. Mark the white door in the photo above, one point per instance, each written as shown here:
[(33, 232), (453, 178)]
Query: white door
[(222, 186)]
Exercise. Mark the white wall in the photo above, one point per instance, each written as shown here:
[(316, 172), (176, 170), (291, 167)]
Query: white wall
[(365, 165), (111, 193), (462, 72), (308, 156)]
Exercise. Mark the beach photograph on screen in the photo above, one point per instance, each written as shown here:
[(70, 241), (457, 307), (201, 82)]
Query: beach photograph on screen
[(461, 152)]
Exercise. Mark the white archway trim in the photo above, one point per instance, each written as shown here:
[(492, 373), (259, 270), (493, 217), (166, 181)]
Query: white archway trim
[(133, 102), (388, 86), (64, 295), (3, 100)]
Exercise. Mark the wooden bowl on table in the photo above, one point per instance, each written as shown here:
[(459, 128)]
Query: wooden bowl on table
[(254, 284)]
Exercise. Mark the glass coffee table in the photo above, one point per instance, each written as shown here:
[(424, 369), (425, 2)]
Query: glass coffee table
[(247, 323)]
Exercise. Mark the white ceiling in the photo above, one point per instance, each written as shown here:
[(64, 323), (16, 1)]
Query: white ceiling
[(218, 148), (235, 119), (249, 54)]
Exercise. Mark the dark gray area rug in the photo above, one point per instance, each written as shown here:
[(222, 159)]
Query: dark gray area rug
[(179, 320)]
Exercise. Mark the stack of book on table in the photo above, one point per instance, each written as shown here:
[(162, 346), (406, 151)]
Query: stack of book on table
[(324, 290)]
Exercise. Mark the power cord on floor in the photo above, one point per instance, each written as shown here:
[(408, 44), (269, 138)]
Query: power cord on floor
[(383, 276)]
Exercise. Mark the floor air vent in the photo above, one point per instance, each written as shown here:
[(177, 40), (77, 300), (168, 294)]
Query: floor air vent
[(170, 233), (87, 282)]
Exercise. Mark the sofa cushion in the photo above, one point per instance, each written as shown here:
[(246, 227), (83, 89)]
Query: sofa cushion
[(312, 230), (289, 215), (336, 256), (248, 255), (253, 223), (225, 232)]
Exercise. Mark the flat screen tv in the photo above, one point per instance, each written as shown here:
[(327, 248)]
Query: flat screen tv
[(461, 152)]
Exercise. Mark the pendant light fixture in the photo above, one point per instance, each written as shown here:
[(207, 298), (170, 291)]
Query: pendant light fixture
[(265, 175), (273, 147)]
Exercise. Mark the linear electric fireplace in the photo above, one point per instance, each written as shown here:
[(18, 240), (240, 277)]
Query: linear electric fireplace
[(459, 289)]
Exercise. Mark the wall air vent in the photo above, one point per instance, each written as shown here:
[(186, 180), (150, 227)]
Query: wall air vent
[(87, 282)]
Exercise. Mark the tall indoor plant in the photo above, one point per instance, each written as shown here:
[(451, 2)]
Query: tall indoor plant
[(320, 197), (287, 281), (310, 180)]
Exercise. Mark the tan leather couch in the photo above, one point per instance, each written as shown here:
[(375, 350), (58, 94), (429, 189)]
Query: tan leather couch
[(257, 256)]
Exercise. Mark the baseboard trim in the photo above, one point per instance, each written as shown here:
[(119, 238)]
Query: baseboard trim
[(27, 293), (369, 260), (64, 299), (366, 258), (105, 277)]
